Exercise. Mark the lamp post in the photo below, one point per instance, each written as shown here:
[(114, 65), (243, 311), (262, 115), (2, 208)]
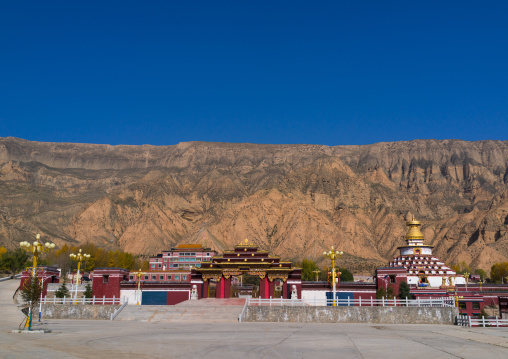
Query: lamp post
[(466, 277), (333, 255), (78, 257), (36, 248), (317, 271)]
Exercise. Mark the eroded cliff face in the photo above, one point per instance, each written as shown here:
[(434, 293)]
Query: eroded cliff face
[(294, 200)]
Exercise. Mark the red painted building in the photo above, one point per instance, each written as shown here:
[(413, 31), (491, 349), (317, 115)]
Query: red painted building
[(47, 274)]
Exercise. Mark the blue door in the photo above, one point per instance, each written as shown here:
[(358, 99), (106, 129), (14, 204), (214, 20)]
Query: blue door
[(342, 296), (154, 298)]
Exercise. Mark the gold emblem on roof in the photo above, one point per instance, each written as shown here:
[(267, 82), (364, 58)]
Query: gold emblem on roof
[(246, 241)]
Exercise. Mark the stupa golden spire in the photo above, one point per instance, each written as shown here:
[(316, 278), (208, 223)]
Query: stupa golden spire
[(414, 232)]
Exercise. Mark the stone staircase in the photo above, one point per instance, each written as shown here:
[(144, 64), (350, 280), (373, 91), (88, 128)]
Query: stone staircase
[(198, 311)]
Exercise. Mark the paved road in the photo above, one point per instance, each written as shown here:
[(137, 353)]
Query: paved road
[(106, 339)]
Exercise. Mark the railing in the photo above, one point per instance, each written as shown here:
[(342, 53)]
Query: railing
[(83, 300), (243, 310), (349, 302), (113, 315), (466, 321)]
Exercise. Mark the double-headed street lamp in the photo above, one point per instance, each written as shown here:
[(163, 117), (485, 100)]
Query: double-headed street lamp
[(333, 255), (466, 277), (78, 257), (36, 248)]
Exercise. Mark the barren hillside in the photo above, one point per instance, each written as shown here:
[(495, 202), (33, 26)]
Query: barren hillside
[(295, 200)]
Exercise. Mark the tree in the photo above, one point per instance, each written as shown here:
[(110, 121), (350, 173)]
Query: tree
[(31, 294), (482, 273), (461, 267), (308, 268), (345, 275), (498, 272), (390, 293), (88, 293), (14, 261), (381, 293), (62, 291), (404, 291)]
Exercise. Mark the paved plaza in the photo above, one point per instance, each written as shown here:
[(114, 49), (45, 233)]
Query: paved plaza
[(113, 339)]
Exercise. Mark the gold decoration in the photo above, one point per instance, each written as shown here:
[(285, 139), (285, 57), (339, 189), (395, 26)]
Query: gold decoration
[(253, 254), (245, 249), (238, 255), (229, 259), (245, 259), (262, 259), (246, 242)]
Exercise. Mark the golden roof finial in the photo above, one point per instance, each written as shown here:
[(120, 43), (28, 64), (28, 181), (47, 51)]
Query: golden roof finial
[(246, 241), (414, 231)]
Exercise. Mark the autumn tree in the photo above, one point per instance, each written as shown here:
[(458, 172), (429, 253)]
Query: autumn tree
[(499, 272)]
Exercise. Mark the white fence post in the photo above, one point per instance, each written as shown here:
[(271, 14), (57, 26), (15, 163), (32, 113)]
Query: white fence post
[(113, 300), (469, 320), (418, 301), (383, 301), (407, 302), (483, 320), (497, 322), (93, 300), (360, 301), (394, 301), (103, 299), (371, 302), (348, 301)]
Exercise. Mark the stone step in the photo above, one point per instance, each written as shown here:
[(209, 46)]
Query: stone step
[(163, 313)]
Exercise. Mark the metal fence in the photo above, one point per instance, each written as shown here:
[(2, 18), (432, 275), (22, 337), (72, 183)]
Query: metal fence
[(466, 321), (83, 300), (349, 302)]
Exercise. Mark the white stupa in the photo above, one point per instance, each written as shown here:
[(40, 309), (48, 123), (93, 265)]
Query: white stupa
[(423, 269)]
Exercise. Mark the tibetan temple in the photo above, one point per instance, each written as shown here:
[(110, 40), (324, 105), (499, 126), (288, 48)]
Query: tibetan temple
[(171, 279), (421, 268)]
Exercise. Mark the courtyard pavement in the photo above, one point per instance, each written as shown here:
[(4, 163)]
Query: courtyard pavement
[(111, 339)]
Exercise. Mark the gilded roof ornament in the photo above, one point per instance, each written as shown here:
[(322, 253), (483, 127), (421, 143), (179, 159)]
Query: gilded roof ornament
[(414, 232)]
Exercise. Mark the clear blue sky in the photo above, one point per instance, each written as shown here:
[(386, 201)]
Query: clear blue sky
[(320, 72)]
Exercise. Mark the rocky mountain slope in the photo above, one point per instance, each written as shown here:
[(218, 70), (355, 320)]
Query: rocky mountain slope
[(294, 200)]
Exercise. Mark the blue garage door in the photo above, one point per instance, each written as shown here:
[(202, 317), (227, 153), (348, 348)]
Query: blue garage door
[(154, 298), (342, 296)]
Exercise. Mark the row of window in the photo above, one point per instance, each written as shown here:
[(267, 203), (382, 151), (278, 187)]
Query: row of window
[(161, 277)]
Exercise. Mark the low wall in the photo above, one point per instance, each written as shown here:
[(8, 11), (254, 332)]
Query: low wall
[(385, 315), (78, 311)]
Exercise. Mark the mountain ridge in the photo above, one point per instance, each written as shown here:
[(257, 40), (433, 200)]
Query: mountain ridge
[(295, 200)]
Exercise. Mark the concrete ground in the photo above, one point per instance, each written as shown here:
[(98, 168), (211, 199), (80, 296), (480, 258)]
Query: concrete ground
[(111, 339)]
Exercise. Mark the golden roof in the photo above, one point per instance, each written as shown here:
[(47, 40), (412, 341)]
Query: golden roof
[(414, 231)]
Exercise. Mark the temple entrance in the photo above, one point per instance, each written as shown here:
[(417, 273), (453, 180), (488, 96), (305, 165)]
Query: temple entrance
[(247, 270)]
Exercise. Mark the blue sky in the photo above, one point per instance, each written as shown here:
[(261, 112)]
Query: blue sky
[(317, 72)]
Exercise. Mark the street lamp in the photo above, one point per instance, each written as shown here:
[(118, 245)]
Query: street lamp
[(317, 271), (333, 255), (78, 257), (36, 248)]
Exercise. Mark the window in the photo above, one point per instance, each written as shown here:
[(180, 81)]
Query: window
[(208, 254), (184, 277), (392, 279), (476, 305), (462, 305), (159, 265), (131, 277), (154, 277), (105, 279), (146, 277), (153, 265), (161, 277), (177, 277), (169, 277), (156, 259)]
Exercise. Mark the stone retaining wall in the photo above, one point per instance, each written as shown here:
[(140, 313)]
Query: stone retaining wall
[(384, 315), (78, 311)]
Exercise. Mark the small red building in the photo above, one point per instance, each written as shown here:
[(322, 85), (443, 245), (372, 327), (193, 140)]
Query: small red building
[(47, 274)]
